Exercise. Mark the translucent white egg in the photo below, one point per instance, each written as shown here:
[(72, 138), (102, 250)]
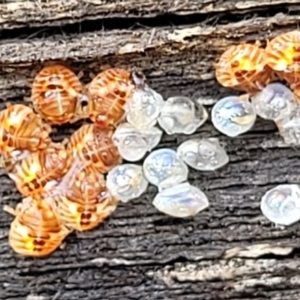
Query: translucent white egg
[(233, 116), (181, 201), (289, 126), (281, 205), (181, 115), (126, 182), (144, 107), (203, 154), (164, 168), (273, 102), (134, 143)]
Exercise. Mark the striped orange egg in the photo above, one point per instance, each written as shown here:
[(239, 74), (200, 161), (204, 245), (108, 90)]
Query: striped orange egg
[(82, 199), (242, 67), (283, 56), (94, 147), (109, 92), (37, 172), (58, 96), (36, 231), (22, 129)]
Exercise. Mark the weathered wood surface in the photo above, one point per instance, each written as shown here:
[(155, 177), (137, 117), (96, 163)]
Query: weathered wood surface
[(229, 251), (36, 13)]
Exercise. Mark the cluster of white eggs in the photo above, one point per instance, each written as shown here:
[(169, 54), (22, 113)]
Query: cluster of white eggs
[(167, 169), (234, 115), (164, 168)]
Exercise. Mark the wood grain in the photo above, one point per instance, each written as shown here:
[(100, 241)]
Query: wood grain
[(229, 251), (15, 14)]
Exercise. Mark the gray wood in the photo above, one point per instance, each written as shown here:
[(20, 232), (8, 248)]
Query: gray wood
[(230, 251), (15, 14)]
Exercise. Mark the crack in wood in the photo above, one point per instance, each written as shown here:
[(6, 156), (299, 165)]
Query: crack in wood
[(56, 13)]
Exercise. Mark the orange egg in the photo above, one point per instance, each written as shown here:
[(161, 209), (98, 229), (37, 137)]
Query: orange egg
[(83, 201), (22, 129), (58, 96), (109, 92), (36, 231), (36, 173), (94, 147), (283, 56), (242, 67)]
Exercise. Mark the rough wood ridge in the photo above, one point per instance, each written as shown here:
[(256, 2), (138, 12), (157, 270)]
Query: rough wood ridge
[(37, 13), (227, 252)]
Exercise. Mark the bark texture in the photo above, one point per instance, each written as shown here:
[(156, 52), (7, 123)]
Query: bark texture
[(229, 251)]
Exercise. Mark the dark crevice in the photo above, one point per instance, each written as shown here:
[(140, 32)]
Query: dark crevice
[(295, 253), (165, 20)]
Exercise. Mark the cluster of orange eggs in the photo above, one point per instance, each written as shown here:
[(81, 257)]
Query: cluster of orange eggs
[(249, 68), (63, 183)]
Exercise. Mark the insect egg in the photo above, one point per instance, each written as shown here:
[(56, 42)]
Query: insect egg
[(22, 129), (233, 116), (203, 154), (181, 200), (281, 204), (109, 92), (283, 51), (34, 174), (126, 182), (94, 147), (282, 55), (145, 104), (242, 67), (84, 201), (36, 231), (163, 168), (274, 102), (58, 95)]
